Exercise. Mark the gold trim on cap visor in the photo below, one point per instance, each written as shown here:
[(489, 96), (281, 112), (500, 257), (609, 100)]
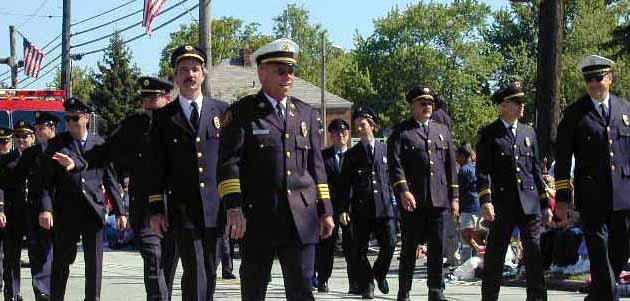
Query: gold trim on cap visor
[(152, 91), (521, 94), (595, 71), (279, 59), (423, 97), (187, 55)]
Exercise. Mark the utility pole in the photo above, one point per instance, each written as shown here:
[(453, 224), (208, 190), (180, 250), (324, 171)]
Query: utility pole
[(12, 59), (66, 67), (205, 39), (323, 87), (548, 89)]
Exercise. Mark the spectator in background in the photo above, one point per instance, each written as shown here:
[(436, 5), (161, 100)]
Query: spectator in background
[(440, 114), (469, 199)]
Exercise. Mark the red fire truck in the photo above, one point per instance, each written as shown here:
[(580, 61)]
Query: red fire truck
[(23, 104)]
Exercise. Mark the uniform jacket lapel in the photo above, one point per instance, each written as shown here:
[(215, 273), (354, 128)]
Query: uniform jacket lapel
[(268, 113), (292, 122), (594, 111), (206, 118), (179, 118)]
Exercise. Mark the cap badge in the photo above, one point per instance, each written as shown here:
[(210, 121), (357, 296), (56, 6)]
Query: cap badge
[(146, 83), (286, 47), (188, 48)]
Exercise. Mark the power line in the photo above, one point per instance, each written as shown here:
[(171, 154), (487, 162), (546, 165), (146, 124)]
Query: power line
[(105, 24), (103, 13), (28, 15), (128, 27), (41, 5), (143, 34)]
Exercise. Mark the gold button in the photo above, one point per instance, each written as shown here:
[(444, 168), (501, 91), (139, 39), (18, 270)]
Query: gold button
[(610, 141), (83, 180), (431, 162), (198, 139), (261, 146), (250, 206), (139, 155), (514, 145), (500, 188), (202, 185), (429, 152), (518, 169), (199, 155), (373, 173), (612, 154), (528, 154), (431, 173), (170, 192), (373, 182), (286, 136), (515, 157), (375, 191), (288, 173), (531, 187), (518, 181), (612, 167), (608, 128), (175, 140), (200, 169), (429, 141), (288, 154), (289, 191)]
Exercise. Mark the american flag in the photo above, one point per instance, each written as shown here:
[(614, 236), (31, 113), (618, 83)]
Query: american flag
[(33, 57), (151, 10)]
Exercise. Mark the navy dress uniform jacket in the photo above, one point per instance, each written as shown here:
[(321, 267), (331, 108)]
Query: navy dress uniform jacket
[(263, 164), (423, 164), (186, 163), (509, 171), (364, 186), (333, 174), (63, 191), (602, 157)]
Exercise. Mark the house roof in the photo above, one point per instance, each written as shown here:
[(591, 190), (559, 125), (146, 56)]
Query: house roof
[(230, 81)]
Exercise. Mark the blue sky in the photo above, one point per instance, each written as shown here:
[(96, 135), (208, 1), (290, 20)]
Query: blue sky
[(342, 18)]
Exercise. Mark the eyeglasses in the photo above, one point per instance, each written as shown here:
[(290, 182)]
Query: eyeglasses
[(283, 70), (596, 77), (72, 118)]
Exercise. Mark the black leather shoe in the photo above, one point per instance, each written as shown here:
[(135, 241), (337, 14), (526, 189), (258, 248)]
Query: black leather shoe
[(368, 293), (383, 286), (403, 296), (323, 287), (436, 296), (354, 290), (229, 276), (42, 297)]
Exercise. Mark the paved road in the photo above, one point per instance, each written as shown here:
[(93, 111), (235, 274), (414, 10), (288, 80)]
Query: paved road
[(123, 280)]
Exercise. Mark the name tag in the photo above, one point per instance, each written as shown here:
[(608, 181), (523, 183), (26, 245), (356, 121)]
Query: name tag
[(260, 132)]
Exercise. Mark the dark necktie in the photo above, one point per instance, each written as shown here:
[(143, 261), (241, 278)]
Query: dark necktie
[(280, 110), (511, 132), (370, 152), (338, 157), (604, 112), (425, 128), (194, 116)]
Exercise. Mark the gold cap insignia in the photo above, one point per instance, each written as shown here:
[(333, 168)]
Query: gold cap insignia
[(146, 83), (304, 129), (188, 48), (426, 90), (286, 47), (217, 122), (626, 120)]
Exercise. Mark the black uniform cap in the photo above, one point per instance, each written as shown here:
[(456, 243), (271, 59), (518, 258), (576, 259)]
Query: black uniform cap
[(187, 51), (512, 92), (338, 125), (150, 85), (74, 104)]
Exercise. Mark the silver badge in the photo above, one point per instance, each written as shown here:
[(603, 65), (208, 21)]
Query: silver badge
[(441, 137), (528, 142), (304, 129), (626, 120)]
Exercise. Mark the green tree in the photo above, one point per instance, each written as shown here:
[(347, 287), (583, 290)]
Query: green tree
[(229, 36), (82, 83), (115, 84), (439, 45)]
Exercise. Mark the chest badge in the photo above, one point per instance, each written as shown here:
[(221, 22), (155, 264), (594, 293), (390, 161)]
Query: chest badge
[(528, 142), (441, 137), (625, 119), (304, 129), (261, 105), (217, 122)]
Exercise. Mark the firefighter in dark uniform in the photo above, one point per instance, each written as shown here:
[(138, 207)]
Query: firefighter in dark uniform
[(511, 192), (129, 149), (596, 131), (23, 210), (185, 147), (15, 189), (6, 156), (74, 204), (273, 180), (366, 203), (333, 156), (422, 169)]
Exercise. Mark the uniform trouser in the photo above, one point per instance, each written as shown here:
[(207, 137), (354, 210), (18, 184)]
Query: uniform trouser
[(607, 240), (197, 249), (325, 255), (159, 255), (65, 238), (384, 230), (296, 261), (39, 245), (498, 241), (224, 255), (419, 226), (451, 239)]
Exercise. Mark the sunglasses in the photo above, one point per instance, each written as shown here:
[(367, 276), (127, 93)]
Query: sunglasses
[(598, 78), (4, 141), (72, 118), (21, 136), (282, 70)]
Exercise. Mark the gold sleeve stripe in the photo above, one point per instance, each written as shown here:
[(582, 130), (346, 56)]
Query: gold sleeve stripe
[(560, 182), (229, 186), (563, 186), (455, 186), (399, 182), (323, 192), (484, 192), (155, 198)]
